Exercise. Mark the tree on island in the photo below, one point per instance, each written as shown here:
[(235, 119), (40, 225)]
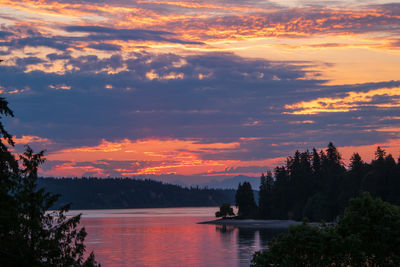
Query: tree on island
[(31, 234), (225, 210), (244, 199), (368, 234)]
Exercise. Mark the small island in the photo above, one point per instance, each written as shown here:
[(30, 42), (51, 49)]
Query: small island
[(360, 203), (313, 186), (252, 223)]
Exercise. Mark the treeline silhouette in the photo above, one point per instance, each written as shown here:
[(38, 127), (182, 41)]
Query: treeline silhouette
[(111, 193), (317, 185), (32, 233)]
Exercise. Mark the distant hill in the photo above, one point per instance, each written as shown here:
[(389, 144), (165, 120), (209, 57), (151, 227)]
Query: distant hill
[(112, 193), (232, 183)]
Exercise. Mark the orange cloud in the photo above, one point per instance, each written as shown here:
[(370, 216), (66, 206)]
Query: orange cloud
[(352, 101), (367, 151), (152, 156), (227, 27), (28, 139), (171, 155)]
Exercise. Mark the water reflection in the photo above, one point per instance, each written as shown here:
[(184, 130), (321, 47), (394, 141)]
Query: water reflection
[(144, 238), (247, 240)]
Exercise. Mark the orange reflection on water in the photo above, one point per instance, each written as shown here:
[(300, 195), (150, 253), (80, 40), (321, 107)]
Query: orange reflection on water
[(170, 239)]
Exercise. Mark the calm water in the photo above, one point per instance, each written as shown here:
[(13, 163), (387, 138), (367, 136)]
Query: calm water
[(168, 237)]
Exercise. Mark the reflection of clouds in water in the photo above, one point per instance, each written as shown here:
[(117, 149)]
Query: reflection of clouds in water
[(145, 213)]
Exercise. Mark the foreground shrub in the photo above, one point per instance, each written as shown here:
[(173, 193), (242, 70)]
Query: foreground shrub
[(368, 234)]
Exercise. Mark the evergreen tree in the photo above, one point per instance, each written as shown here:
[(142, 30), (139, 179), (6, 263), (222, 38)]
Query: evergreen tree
[(351, 186), (263, 197), (9, 180), (30, 235), (358, 168), (318, 186), (333, 174), (265, 200), (379, 155), (316, 169), (301, 182), (280, 194), (375, 181), (316, 162), (244, 199)]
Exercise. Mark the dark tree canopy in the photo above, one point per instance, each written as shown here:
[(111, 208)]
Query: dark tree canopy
[(265, 195), (368, 234), (30, 235), (126, 193), (244, 199), (225, 210), (316, 185)]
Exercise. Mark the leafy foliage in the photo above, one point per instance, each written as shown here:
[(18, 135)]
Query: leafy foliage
[(30, 234), (368, 234), (225, 210), (304, 245)]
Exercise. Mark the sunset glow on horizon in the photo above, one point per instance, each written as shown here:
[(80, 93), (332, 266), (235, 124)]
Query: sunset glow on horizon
[(197, 90)]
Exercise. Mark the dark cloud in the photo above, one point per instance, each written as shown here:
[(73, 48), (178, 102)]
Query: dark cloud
[(93, 63), (38, 41), (216, 97), (105, 47), (4, 34), (98, 33), (51, 164), (23, 62), (294, 22), (78, 96), (54, 56), (96, 38)]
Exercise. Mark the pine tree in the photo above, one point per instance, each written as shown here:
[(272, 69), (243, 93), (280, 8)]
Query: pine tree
[(280, 194), (265, 200), (244, 199), (263, 197), (31, 235)]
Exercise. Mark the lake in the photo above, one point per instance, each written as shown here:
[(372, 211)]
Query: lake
[(168, 237)]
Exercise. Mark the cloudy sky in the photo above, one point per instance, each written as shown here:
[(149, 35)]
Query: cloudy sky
[(197, 89)]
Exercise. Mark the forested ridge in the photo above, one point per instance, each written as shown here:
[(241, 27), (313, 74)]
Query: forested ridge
[(110, 193), (318, 186)]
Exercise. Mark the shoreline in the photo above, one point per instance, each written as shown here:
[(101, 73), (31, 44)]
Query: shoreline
[(251, 223), (259, 224)]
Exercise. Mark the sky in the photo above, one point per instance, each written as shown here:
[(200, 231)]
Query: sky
[(197, 90)]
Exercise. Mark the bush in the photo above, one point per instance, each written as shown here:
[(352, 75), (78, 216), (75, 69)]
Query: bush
[(224, 211), (368, 234)]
